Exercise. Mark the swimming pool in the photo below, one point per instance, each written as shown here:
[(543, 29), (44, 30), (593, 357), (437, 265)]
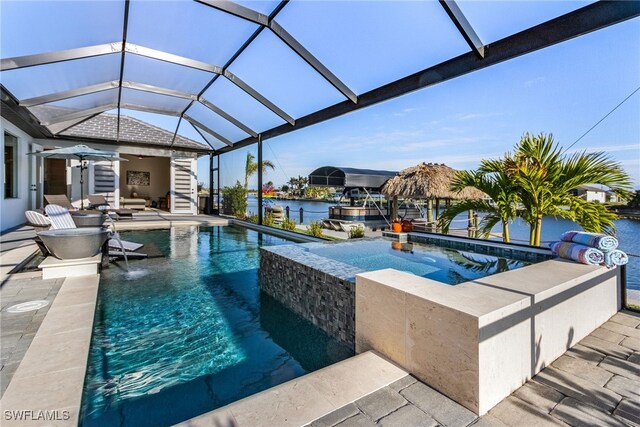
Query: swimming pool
[(447, 265), (188, 330)]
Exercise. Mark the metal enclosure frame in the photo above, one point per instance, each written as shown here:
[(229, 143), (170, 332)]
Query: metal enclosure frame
[(591, 17)]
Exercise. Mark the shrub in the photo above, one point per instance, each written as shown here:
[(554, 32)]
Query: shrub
[(315, 228), (253, 218), (289, 224), (316, 192), (356, 232), (268, 220), (235, 200)]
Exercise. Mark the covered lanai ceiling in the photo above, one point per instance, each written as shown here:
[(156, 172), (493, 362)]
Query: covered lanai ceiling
[(237, 70)]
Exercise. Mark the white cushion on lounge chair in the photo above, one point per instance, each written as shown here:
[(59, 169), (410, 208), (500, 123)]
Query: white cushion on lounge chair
[(60, 217)]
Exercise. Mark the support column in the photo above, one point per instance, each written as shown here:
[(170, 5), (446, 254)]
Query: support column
[(394, 208), (218, 183), (210, 200), (260, 213), (430, 212)]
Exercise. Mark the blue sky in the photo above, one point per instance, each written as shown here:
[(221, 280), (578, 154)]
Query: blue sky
[(564, 89)]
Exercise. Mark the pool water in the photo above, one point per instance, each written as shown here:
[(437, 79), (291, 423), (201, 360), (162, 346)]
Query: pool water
[(450, 266), (188, 330)]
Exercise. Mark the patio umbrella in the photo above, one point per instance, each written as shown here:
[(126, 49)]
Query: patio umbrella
[(427, 181), (83, 153)]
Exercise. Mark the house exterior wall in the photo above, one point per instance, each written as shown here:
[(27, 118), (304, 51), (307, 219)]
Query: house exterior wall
[(591, 195), (12, 210), (596, 196)]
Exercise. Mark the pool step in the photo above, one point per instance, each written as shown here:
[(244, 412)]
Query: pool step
[(130, 255), (305, 399)]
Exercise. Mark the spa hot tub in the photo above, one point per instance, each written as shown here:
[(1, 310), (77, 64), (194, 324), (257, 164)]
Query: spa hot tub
[(73, 243)]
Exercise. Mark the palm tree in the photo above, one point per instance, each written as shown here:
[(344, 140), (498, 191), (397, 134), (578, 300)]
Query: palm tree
[(545, 178), (251, 167), (501, 208), (298, 183)]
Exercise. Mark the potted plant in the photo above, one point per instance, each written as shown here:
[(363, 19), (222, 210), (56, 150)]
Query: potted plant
[(396, 226)]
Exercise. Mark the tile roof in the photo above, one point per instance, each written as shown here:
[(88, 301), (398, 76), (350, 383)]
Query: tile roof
[(104, 126)]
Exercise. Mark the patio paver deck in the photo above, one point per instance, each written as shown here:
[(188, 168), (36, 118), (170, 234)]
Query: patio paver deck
[(597, 382), (19, 329)]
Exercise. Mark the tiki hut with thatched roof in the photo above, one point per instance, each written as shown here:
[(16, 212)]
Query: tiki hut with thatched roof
[(430, 181)]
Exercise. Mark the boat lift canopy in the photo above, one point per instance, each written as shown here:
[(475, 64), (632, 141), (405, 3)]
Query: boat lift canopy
[(331, 176)]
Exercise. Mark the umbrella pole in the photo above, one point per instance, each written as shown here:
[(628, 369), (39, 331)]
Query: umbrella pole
[(82, 167)]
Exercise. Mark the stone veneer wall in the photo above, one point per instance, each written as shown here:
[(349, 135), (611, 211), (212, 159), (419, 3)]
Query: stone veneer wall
[(323, 290), (319, 289)]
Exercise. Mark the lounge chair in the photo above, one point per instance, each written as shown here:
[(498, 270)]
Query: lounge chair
[(347, 226), (38, 221), (327, 224), (335, 224), (98, 201), (60, 200), (61, 218), (276, 211)]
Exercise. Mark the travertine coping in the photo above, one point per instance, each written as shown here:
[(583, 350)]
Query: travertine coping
[(479, 341), (142, 224), (305, 399), (46, 389), (54, 268)]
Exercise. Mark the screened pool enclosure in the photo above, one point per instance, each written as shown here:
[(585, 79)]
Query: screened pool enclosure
[(242, 72)]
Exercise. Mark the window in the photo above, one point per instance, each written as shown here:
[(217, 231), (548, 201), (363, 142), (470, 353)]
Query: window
[(10, 166)]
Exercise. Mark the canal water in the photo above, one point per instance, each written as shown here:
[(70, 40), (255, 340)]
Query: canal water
[(628, 231)]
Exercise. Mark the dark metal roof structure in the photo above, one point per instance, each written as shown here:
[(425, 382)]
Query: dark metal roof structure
[(331, 176), (129, 69)]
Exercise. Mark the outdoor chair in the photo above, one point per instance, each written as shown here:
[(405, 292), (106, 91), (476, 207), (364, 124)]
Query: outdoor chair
[(60, 200), (38, 221), (98, 201), (347, 226), (59, 216)]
